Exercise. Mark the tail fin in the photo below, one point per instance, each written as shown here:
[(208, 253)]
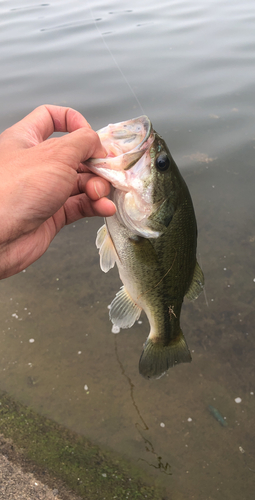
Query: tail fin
[(157, 358)]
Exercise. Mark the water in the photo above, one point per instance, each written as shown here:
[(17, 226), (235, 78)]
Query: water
[(191, 67)]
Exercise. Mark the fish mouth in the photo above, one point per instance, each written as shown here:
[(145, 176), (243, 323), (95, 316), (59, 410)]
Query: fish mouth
[(124, 137), (125, 143), (129, 130)]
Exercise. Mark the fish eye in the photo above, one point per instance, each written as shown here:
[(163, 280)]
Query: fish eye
[(162, 162)]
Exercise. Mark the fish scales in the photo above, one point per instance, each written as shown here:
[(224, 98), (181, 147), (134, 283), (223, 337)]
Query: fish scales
[(152, 238)]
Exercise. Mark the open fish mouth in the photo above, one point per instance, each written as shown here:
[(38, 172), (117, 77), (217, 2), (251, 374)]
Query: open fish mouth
[(125, 143), (124, 137)]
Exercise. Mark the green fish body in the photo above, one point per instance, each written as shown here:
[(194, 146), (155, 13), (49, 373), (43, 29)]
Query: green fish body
[(152, 238)]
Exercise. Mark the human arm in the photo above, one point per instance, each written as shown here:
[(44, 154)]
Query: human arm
[(44, 185)]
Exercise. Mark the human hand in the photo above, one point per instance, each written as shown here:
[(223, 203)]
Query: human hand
[(44, 184)]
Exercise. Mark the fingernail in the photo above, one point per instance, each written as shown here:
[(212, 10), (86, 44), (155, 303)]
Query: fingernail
[(100, 189), (113, 205)]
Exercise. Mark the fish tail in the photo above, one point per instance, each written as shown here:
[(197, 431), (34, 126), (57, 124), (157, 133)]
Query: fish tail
[(157, 358)]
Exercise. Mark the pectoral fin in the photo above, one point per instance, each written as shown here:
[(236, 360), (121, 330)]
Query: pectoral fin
[(123, 310), (197, 284), (106, 249)]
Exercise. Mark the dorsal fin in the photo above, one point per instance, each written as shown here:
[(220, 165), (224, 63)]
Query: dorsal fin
[(197, 283)]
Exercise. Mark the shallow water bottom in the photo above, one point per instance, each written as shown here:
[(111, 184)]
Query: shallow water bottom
[(59, 356)]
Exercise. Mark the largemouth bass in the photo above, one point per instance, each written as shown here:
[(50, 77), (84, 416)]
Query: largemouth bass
[(152, 238)]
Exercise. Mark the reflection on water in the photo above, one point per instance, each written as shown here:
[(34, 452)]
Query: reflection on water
[(192, 68), (142, 426)]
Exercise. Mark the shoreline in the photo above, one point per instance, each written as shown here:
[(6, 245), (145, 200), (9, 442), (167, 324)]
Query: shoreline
[(65, 466)]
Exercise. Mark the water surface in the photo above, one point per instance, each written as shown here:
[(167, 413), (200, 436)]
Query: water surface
[(191, 68)]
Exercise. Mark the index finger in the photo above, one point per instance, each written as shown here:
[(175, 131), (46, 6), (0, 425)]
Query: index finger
[(42, 122), (51, 119)]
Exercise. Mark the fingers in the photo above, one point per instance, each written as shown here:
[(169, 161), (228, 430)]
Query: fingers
[(47, 119), (94, 203), (80, 206), (77, 147), (95, 187), (66, 119), (80, 144), (42, 122), (101, 208)]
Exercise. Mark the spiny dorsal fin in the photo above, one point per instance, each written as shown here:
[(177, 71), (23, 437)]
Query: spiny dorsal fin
[(106, 249), (197, 283), (123, 310), (157, 358)]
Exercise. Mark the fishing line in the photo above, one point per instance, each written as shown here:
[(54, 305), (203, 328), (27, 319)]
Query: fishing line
[(204, 291), (114, 59)]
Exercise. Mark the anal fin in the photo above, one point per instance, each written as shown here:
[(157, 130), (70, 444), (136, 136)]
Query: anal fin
[(123, 310)]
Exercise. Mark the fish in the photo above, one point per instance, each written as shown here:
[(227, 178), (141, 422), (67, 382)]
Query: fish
[(152, 238)]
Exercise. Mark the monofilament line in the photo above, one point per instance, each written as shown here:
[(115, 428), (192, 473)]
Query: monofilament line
[(114, 60), (206, 301)]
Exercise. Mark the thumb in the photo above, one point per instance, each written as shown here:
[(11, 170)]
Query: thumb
[(78, 146)]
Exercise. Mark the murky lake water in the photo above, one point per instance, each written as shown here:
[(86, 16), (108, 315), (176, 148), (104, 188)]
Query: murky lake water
[(191, 67)]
